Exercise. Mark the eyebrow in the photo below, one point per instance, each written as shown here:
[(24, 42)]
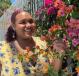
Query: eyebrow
[(27, 19), (31, 20), (23, 20)]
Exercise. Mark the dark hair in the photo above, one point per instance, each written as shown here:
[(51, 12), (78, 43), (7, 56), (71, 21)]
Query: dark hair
[(11, 33), (13, 17)]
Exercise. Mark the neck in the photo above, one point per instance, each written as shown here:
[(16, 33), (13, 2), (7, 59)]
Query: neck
[(23, 43)]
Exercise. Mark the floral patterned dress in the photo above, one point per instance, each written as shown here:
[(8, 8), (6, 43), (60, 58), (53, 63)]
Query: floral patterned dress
[(12, 66)]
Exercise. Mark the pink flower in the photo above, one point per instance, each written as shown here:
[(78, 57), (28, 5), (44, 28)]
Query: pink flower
[(73, 33), (47, 2), (73, 23), (37, 13), (51, 10), (75, 42)]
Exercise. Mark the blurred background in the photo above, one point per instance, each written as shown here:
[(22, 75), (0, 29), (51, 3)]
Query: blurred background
[(8, 6)]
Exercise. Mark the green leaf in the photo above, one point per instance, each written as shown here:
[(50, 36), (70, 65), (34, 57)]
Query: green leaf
[(75, 14), (52, 72), (20, 57), (78, 63)]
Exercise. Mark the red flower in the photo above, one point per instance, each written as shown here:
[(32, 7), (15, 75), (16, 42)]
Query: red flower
[(68, 9), (44, 37)]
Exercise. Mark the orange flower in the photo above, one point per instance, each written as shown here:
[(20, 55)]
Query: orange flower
[(27, 59), (20, 53), (27, 49), (30, 53), (77, 56), (55, 28), (28, 56), (77, 69), (45, 67), (37, 47), (59, 4), (60, 13), (41, 51)]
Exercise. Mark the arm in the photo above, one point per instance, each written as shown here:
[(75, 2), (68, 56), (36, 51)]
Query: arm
[(0, 68), (55, 62), (1, 43), (57, 53)]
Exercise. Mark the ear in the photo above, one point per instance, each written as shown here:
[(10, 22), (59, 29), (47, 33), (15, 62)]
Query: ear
[(13, 26)]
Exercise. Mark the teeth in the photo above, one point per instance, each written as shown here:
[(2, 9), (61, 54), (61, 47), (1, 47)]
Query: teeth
[(28, 30)]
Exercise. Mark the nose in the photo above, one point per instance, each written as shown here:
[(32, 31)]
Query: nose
[(28, 24)]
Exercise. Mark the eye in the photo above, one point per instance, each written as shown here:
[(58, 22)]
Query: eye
[(31, 21), (23, 22)]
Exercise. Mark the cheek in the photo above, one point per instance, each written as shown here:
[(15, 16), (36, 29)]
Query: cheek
[(33, 26), (19, 27)]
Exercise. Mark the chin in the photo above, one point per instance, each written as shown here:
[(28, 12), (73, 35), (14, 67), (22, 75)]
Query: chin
[(28, 36)]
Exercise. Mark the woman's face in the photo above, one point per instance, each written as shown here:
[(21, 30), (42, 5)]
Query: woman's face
[(24, 25)]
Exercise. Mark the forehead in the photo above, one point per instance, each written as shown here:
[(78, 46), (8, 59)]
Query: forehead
[(23, 15)]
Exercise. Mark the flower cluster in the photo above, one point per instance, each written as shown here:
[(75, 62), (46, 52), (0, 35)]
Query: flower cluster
[(40, 60), (35, 58), (59, 19), (50, 13)]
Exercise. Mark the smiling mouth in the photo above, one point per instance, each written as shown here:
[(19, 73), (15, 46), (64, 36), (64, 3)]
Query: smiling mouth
[(28, 30)]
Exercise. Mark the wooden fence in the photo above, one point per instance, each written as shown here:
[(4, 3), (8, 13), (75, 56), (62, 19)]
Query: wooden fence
[(33, 5)]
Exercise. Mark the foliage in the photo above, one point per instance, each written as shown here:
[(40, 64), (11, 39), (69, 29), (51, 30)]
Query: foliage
[(4, 4)]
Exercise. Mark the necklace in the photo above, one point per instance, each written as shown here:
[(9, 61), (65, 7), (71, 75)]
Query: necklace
[(19, 49), (29, 57), (25, 55)]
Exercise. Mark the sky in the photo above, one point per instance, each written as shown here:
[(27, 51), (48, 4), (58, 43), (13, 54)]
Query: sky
[(12, 1)]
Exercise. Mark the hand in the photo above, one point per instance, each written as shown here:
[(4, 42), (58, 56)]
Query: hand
[(56, 64), (59, 46)]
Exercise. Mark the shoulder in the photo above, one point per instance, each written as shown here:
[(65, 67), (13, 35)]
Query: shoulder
[(1, 44), (4, 45), (40, 43)]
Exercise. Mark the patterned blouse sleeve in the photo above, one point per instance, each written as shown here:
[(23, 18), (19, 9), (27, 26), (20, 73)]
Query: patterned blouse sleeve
[(1, 52), (0, 44)]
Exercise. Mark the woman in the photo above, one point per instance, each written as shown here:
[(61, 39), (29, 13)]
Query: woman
[(22, 54)]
